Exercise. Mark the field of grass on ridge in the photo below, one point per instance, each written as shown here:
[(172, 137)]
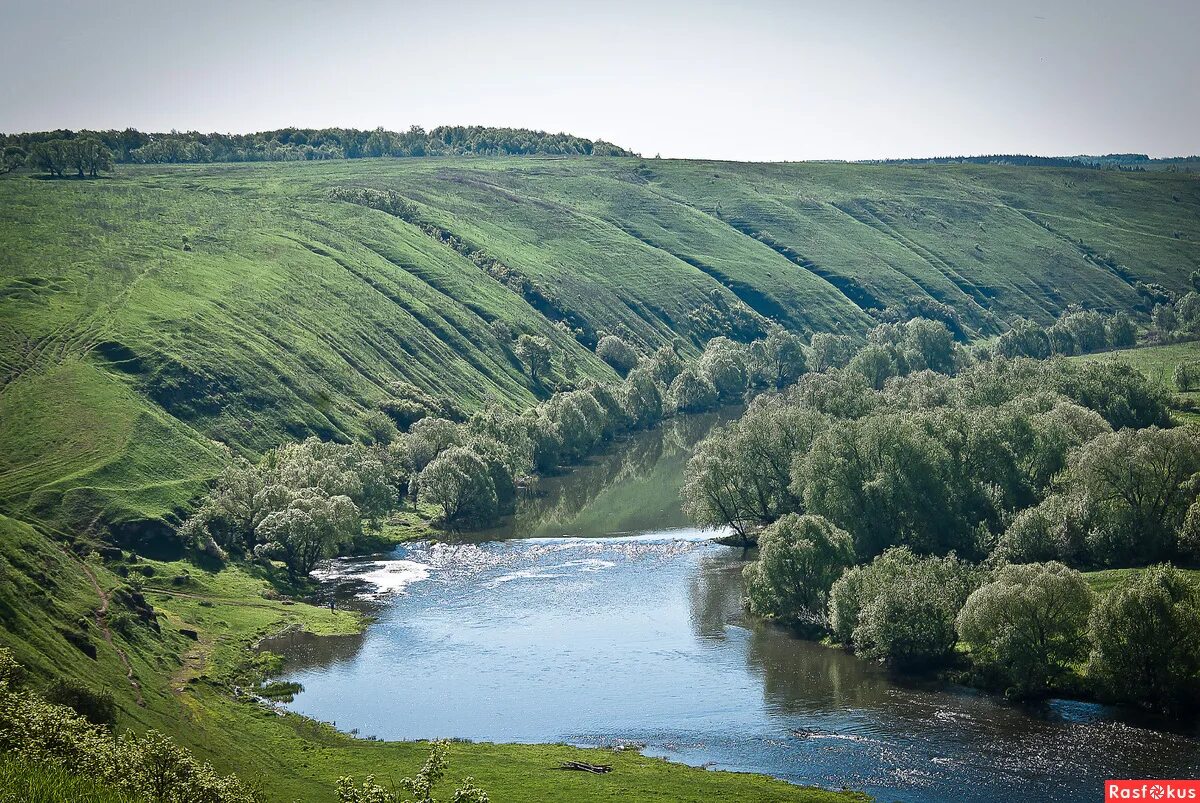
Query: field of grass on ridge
[(147, 317)]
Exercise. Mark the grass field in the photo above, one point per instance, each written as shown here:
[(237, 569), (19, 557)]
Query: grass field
[(146, 315), (152, 319), (1108, 579)]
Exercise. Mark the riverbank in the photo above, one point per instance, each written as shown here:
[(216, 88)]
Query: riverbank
[(295, 758)]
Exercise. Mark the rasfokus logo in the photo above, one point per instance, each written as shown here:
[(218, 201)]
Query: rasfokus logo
[(1152, 790)]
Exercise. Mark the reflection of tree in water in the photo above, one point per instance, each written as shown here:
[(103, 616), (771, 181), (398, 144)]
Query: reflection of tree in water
[(803, 677), (305, 651), (715, 593), (634, 486), (798, 676)]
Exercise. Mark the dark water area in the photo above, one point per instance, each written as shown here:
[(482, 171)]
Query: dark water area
[(598, 617)]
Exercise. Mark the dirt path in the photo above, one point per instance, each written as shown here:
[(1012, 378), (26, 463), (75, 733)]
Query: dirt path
[(102, 623)]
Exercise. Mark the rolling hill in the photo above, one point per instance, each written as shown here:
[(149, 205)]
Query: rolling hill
[(152, 318)]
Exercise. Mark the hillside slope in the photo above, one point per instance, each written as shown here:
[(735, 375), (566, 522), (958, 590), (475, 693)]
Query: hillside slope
[(149, 317)]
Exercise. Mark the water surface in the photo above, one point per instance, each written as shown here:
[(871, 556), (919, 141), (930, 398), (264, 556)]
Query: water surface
[(615, 623)]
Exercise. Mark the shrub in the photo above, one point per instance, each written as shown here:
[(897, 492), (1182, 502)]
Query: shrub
[(617, 353), (1028, 624), (97, 706), (150, 767), (799, 559), (901, 609), (420, 788)]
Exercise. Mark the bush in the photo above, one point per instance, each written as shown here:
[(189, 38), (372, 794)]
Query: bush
[(150, 767), (1028, 624), (420, 788), (900, 608), (617, 353), (1187, 376), (799, 559), (1145, 639), (97, 706)]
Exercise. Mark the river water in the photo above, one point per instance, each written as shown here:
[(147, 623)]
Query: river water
[(599, 617)]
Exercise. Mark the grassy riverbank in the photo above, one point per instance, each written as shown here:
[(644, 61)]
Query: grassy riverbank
[(185, 677), (295, 758)]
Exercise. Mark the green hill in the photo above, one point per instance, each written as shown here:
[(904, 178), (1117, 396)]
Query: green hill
[(146, 315)]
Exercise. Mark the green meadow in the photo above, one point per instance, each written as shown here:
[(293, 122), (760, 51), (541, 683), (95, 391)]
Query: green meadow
[(150, 317), (156, 320)]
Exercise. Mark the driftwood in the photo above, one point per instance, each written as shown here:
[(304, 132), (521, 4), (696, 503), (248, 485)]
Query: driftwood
[(583, 766)]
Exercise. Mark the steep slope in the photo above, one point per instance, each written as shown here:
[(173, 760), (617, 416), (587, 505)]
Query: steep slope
[(148, 318)]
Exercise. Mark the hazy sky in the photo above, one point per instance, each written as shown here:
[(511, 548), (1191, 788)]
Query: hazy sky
[(755, 79)]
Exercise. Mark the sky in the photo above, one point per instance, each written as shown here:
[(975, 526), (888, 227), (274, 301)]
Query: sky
[(755, 80)]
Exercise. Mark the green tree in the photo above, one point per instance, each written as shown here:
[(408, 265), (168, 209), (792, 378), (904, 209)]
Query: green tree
[(642, 397), (579, 420), (1134, 485), (617, 353), (91, 156), (928, 346), (778, 359), (1145, 638), (831, 351), (1189, 534), (12, 157), (1121, 331), (876, 363), (52, 156), (1164, 320), (691, 393), (665, 364), (429, 437), (460, 483), (712, 493), (535, 353), (310, 528), (1187, 376), (723, 363), (1028, 624), (799, 559), (888, 479), (1024, 339), (901, 609), (378, 428)]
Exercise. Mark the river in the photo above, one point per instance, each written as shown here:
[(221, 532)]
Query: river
[(599, 617)]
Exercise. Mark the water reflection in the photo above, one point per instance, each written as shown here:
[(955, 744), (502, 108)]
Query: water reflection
[(632, 487)]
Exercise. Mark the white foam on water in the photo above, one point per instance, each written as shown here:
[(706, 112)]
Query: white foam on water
[(553, 572), (386, 577)]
